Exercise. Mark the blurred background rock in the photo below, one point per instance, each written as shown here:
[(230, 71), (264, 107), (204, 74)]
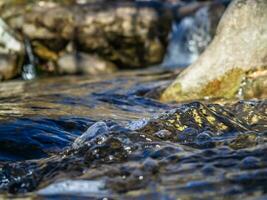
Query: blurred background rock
[(95, 37)]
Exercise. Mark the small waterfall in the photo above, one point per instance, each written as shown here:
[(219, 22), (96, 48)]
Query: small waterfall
[(29, 68), (189, 37)]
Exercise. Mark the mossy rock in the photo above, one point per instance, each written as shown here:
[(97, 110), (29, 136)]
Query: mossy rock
[(238, 50)]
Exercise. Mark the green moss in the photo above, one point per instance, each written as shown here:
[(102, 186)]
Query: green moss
[(225, 86), (255, 84), (250, 84)]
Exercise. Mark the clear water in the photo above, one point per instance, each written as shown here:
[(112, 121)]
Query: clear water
[(108, 137)]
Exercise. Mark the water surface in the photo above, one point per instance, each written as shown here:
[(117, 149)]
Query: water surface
[(132, 146)]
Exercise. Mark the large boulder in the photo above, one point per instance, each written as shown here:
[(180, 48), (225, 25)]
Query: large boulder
[(234, 64)]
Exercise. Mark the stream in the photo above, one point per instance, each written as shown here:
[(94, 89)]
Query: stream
[(109, 136), (132, 146)]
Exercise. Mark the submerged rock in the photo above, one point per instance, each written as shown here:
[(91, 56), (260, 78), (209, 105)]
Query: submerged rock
[(234, 64)]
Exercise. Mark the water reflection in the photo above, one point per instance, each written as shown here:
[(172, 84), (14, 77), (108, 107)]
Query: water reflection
[(106, 137), (41, 117)]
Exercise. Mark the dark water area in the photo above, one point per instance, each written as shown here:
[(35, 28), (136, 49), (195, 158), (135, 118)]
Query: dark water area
[(109, 137)]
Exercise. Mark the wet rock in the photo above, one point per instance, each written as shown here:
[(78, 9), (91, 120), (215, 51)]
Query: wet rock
[(244, 141), (222, 71), (188, 135), (186, 123), (11, 52)]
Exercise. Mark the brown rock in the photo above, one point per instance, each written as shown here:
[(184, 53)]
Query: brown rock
[(84, 64), (124, 33), (11, 52)]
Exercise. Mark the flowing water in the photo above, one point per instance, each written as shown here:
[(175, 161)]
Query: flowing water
[(108, 137), (189, 38), (45, 115)]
